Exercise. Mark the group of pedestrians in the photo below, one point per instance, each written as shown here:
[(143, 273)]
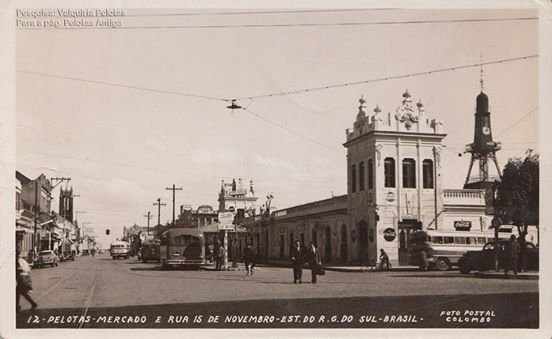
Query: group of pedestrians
[(301, 256)]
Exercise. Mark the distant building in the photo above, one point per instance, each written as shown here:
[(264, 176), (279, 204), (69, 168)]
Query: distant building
[(235, 197), (33, 202)]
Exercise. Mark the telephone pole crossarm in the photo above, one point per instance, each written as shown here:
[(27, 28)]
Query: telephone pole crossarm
[(173, 189), (158, 204)]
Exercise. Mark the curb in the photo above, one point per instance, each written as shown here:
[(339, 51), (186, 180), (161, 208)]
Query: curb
[(506, 277)]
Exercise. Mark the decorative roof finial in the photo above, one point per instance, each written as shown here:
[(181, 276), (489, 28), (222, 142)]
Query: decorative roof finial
[(481, 71), (406, 95), (420, 106), (362, 102)]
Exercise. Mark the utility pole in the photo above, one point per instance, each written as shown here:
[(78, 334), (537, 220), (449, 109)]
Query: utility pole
[(158, 204), (173, 189), (149, 217)]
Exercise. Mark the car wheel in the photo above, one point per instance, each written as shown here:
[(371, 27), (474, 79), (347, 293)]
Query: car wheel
[(464, 268), (442, 264)]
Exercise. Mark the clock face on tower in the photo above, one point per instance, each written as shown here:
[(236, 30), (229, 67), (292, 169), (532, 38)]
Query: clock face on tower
[(486, 130)]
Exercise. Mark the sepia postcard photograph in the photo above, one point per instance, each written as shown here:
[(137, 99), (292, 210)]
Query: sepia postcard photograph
[(281, 169)]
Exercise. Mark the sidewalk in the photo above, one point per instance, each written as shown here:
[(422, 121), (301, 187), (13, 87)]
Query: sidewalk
[(532, 275)]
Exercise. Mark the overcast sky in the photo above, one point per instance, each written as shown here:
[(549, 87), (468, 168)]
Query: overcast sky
[(123, 146)]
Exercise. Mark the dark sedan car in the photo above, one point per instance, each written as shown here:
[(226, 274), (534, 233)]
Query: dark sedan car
[(484, 260), (47, 257)]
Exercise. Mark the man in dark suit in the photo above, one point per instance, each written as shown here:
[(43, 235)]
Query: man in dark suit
[(313, 258), (297, 260)]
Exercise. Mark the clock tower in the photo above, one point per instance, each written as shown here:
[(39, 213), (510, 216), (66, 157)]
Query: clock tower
[(483, 147)]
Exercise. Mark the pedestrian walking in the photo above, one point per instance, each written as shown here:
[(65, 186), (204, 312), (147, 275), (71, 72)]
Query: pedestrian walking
[(249, 259), (220, 258), (24, 282), (313, 258), (511, 255), (384, 260), (297, 260)]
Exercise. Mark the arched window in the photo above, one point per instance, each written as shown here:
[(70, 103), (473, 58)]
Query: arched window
[(389, 169), (370, 174), (353, 178), (361, 176), (428, 173), (409, 173)]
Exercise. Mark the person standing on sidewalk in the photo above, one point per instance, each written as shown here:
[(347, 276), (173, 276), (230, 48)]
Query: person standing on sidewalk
[(297, 260), (512, 251), (24, 282), (313, 258), (249, 259), (220, 257)]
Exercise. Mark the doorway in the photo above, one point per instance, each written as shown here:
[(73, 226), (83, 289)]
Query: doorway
[(343, 248), (406, 227), (282, 247), (363, 242), (328, 245)]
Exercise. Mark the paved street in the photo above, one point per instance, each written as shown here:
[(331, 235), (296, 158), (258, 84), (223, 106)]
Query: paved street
[(101, 292)]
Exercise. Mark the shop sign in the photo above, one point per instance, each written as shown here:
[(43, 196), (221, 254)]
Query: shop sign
[(389, 234), (226, 220), (205, 209), (462, 225)]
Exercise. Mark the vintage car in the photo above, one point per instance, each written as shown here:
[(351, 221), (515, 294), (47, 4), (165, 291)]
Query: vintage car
[(484, 260), (47, 257)]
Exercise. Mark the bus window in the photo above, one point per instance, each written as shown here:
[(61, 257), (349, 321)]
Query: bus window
[(471, 240), (449, 240), (460, 240), (481, 241), (437, 239)]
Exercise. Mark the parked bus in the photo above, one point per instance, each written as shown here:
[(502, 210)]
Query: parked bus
[(150, 250), (119, 249), (182, 247), (442, 250)]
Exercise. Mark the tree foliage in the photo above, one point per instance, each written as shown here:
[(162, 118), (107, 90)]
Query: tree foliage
[(518, 193)]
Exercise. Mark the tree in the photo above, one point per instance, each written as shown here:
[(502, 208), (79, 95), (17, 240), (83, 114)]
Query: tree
[(517, 201)]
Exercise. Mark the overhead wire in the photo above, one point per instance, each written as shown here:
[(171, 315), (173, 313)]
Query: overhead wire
[(517, 122), (114, 84), (289, 130), (292, 92), (393, 77)]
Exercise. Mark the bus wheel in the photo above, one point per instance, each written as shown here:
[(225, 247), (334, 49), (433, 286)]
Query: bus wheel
[(442, 264)]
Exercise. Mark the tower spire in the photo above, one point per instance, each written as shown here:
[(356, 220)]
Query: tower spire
[(481, 71)]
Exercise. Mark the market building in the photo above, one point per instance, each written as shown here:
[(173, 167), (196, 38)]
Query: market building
[(394, 187)]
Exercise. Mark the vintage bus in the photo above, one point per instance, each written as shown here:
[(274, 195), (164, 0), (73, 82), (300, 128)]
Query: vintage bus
[(182, 247), (150, 250), (119, 249), (442, 250)]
